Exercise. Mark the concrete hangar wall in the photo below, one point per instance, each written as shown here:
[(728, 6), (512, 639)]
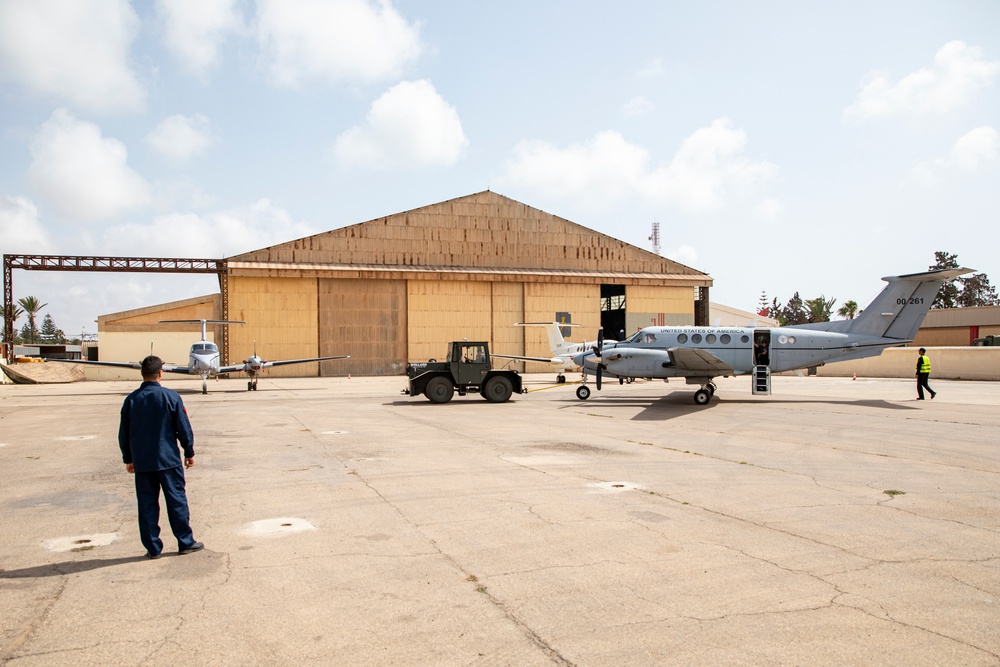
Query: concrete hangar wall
[(399, 288)]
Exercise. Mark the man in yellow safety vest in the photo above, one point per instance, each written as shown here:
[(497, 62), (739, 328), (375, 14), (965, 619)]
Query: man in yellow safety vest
[(923, 372)]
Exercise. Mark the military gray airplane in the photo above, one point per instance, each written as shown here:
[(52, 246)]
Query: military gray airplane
[(203, 359), (563, 351), (700, 354)]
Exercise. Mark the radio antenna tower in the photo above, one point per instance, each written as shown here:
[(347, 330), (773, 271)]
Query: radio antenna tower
[(655, 237)]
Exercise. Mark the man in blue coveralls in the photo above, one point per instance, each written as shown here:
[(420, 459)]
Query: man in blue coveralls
[(153, 421)]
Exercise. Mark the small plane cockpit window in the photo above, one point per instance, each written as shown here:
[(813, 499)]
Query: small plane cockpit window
[(710, 338), (726, 339), (636, 337), (649, 338), (682, 338), (696, 338)]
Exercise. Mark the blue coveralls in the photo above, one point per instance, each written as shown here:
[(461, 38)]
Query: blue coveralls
[(153, 420)]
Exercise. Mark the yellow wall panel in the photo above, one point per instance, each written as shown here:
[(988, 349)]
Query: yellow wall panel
[(440, 311), (282, 320), (541, 303)]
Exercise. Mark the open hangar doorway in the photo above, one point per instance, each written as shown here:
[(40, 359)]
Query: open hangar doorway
[(613, 311)]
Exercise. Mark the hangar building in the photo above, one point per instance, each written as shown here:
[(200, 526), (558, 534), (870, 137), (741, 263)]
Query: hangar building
[(400, 287)]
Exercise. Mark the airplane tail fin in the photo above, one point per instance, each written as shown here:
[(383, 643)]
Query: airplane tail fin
[(899, 308), (553, 330)]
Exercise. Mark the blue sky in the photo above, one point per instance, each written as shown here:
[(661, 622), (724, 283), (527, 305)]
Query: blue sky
[(782, 146)]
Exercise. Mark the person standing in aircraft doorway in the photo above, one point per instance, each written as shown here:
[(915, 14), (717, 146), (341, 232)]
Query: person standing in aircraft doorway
[(923, 372)]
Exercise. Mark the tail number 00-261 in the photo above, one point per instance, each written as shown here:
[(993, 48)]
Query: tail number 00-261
[(912, 301)]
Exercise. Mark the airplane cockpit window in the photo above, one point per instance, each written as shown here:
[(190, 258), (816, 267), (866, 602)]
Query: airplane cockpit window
[(649, 338), (636, 337), (205, 347)]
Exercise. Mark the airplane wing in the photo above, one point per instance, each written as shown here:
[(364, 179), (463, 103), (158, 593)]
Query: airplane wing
[(544, 360), (268, 364), (698, 361), (167, 368)]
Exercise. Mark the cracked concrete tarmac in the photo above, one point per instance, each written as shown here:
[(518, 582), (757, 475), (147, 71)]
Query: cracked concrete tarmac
[(835, 522)]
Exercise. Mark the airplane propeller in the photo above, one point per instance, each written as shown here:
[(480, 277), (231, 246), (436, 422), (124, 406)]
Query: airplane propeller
[(598, 349)]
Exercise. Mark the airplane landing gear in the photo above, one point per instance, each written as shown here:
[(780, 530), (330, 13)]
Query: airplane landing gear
[(705, 394), (252, 385), (560, 379), (204, 385), (583, 392)]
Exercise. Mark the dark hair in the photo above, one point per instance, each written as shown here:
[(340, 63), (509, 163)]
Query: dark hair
[(922, 350), (151, 366)]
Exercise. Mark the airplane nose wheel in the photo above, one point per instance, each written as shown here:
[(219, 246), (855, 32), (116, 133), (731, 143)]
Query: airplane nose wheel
[(583, 392)]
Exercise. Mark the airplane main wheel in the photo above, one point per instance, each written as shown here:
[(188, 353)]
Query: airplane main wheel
[(440, 390), (249, 386), (702, 397), (583, 392), (560, 379), (498, 390)]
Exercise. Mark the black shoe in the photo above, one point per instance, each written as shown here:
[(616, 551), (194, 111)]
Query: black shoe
[(933, 395), (151, 556), (197, 546), (920, 398)]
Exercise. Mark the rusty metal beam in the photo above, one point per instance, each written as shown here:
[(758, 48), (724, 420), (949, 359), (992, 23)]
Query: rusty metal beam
[(107, 264)]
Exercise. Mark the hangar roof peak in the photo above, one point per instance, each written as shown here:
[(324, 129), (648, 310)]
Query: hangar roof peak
[(478, 232)]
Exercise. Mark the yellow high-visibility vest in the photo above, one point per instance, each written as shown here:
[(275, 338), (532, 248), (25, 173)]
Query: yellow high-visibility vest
[(923, 364)]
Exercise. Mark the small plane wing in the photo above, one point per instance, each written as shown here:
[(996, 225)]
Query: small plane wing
[(167, 368), (268, 364), (544, 360), (696, 359)]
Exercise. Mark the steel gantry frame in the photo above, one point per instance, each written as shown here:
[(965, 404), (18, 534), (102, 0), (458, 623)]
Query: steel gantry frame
[(108, 264)]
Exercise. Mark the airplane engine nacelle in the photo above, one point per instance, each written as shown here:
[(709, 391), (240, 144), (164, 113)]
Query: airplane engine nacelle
[(636, 362)]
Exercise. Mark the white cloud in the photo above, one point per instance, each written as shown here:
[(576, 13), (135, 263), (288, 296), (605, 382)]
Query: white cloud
[(707, 170), (768, 210), (334, 40), (410, 125), (218, 234), (20, 227), (973, 151), (684, 254), (194, 30), (74, 51), (651, 69), (181, 137), (637, 106), (958, 73), (82, 173)]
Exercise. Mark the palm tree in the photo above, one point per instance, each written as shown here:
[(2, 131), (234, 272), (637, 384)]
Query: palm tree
[(15, 311), (31, 306), (849, 310)]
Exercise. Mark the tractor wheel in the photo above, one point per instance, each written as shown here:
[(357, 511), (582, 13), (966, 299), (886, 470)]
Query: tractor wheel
[(498, 389), (440, 390)]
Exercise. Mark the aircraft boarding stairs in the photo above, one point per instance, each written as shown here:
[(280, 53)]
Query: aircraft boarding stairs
[(761, 380)]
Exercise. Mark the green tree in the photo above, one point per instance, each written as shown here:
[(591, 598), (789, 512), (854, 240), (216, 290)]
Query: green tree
[(31, 306), (763, 308), (977, 291), (819, 309), (49, 332), (947, 296), (849, 310), (14, 312), (794, 312)]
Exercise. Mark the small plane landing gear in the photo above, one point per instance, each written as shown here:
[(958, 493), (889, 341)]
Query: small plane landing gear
[(252, 385), (705, 394), (560, 379), (204, 386), (583, 392)]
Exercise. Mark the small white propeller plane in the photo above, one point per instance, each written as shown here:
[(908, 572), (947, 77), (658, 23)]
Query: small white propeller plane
[(203, 359), (700, 354), (563, 352)]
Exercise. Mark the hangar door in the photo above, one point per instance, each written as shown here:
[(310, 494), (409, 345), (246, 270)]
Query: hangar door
[(365, 319)]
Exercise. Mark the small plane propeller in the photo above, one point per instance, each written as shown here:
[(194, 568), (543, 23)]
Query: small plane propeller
[(598, 349)]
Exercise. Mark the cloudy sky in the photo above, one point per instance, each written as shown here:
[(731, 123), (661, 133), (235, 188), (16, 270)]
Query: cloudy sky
[(782, 146)]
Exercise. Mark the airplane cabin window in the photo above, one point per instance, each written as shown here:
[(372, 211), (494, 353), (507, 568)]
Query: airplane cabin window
[(696, 338), (710, 338), (744, 339), (725, 339), (682, 338)]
